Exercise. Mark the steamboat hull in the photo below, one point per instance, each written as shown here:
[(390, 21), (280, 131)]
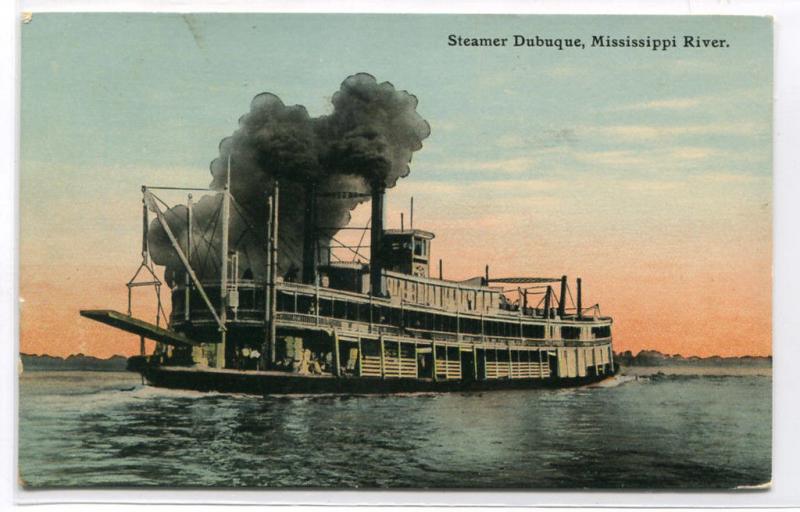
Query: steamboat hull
[(280, 383)]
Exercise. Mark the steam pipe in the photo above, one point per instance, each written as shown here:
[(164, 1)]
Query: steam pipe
[(273, 271), (562, 299), (187, 283), (580, 300), (223, 286), (144, 225), (376, 239), (309, 235)]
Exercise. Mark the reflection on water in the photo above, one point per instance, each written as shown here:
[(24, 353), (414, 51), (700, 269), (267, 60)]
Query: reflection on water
[(102, 429)]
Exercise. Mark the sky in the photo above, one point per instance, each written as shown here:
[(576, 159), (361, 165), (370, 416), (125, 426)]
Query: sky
[(646, 173)]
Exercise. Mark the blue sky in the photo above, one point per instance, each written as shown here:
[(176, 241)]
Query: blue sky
[(663, 156)]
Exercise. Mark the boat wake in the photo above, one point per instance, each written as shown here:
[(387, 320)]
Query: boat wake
[(617, 380)]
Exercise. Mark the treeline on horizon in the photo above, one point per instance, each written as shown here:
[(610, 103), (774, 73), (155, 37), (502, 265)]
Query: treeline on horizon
[(74, 362), (81, 362), (656, 358)]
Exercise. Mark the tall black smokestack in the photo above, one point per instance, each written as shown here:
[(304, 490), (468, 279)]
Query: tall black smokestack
[(376, 238), (310, 235), (562, 299)]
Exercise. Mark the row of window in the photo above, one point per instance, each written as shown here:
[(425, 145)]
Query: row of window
[(404, 318)]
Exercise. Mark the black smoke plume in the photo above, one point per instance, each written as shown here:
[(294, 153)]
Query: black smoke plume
[(367, 141)]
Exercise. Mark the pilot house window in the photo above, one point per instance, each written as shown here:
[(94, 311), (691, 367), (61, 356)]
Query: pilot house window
[(601, 332)]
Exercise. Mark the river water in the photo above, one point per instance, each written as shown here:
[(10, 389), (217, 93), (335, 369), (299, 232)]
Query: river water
[(94, 429)]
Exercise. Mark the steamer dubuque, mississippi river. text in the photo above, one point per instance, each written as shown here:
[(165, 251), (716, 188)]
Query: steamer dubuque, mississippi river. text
[(561, 43)]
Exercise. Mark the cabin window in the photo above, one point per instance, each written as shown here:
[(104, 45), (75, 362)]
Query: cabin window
[(601, 332), (533, 331), (470, 325), (512, 330), (363, 312), (441, 353), (390, 350), (569, 332), (453, 353), (352, 310), (420, 247), (452, 323), (339, 309), (285, 302), (305, 304), (325, 307), (371, 348)]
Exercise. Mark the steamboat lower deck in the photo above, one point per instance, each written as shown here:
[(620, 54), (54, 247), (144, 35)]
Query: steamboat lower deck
[(264, 383)]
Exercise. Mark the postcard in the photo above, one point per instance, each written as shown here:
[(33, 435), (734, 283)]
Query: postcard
[(344, 251)]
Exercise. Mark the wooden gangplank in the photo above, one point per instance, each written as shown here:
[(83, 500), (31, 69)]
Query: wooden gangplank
[(139, 327)]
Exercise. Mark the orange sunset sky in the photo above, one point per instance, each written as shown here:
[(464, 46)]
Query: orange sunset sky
[(647, 174)]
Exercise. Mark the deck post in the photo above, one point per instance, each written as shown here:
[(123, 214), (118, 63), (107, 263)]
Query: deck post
[(510, 363), (316, 301), (446, 363), (400, 358), (475, 361), (433, 358), (416, 361), (141, 346), (336, 361), (359, 356), (541, 364), (383, 362)]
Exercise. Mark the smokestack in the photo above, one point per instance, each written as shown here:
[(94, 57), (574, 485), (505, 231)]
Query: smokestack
[(310, 235), (547, 301), (562, 300), (376, 238), (580, 300)]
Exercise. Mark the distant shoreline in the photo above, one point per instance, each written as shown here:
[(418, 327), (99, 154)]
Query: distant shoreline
[(696, 370), (654, 358), (75, 362), (644, 363)]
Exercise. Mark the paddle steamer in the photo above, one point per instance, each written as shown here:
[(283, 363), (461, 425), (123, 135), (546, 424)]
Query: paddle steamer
[(384, 324)]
